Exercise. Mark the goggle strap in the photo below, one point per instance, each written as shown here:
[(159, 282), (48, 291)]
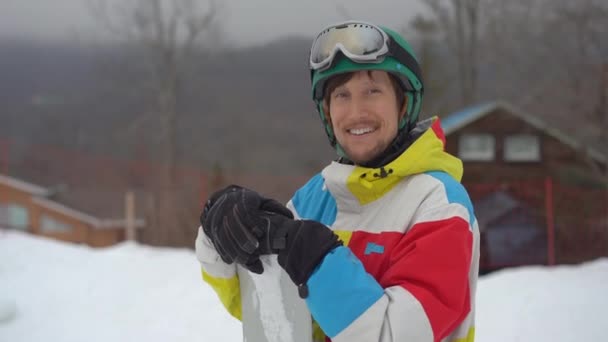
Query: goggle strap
[(404, 57)]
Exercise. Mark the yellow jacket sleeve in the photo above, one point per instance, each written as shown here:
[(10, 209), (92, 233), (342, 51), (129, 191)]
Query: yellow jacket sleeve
[(221, 276)]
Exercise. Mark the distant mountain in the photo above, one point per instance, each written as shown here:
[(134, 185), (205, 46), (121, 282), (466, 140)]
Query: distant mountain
[(246, 108)]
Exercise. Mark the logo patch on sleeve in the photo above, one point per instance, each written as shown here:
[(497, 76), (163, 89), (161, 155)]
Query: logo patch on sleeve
[(373, 248)]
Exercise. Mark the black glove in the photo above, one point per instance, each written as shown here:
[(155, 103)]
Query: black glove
[(204, 214), (300, 244), (229, 219)]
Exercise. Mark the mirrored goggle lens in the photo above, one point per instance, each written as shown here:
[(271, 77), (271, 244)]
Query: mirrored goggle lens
[(357, 39)]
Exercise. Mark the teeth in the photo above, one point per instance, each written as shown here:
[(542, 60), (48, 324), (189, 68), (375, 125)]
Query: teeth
[(359, 131)]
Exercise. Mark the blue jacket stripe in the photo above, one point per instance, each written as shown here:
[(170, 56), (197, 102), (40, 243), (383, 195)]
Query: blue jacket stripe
[(312, 202), (340, 290), (455, 192)]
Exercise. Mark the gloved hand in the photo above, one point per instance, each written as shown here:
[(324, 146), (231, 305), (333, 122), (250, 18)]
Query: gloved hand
[(212, 200), (300, 244), (229, 218), (244, 225)]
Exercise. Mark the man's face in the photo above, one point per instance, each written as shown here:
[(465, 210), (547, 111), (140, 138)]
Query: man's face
[(364, 115)]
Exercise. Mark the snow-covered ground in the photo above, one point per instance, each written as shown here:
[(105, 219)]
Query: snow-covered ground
[(54, 291)]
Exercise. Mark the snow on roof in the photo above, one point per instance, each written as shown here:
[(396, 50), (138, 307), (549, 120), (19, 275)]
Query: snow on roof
[(457, 120), (40, 197), (23, 186)]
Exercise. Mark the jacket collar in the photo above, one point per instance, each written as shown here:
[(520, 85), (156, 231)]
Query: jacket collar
[(426, 153)]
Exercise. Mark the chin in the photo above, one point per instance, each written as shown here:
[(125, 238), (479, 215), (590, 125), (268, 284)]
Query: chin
[(362, 155), (362, 158)]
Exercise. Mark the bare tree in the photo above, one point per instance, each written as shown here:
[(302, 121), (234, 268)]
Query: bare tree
[(601, 114), (166, 34), (437, 76), (458, 21), (576, 37), (470, 9)]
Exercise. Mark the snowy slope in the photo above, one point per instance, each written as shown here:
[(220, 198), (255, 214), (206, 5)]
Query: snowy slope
[(65, 292)]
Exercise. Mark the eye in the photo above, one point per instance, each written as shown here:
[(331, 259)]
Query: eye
[(372, 90), (340, 94)]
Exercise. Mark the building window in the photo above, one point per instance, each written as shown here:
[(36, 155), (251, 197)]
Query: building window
[(476, 147), (14, 216), (51, 225), (522, 148)]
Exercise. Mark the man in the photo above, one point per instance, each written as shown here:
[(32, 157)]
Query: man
[(383, 244)]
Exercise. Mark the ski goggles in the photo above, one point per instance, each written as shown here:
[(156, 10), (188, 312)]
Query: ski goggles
[(360, 42)]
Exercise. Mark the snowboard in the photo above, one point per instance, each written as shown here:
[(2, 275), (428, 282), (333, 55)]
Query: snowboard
[(272, 310)]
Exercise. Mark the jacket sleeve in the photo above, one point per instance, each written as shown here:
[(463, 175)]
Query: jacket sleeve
[(221, 276), (423, 294)]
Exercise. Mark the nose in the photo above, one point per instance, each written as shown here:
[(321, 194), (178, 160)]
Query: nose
[(358, 107)]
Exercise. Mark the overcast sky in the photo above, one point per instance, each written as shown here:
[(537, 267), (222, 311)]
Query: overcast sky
[(243, 21)]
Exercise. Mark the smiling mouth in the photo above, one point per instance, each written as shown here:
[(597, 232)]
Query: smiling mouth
[(361, 131)]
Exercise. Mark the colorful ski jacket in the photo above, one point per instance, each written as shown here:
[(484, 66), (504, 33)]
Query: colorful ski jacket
[(408, 268)]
